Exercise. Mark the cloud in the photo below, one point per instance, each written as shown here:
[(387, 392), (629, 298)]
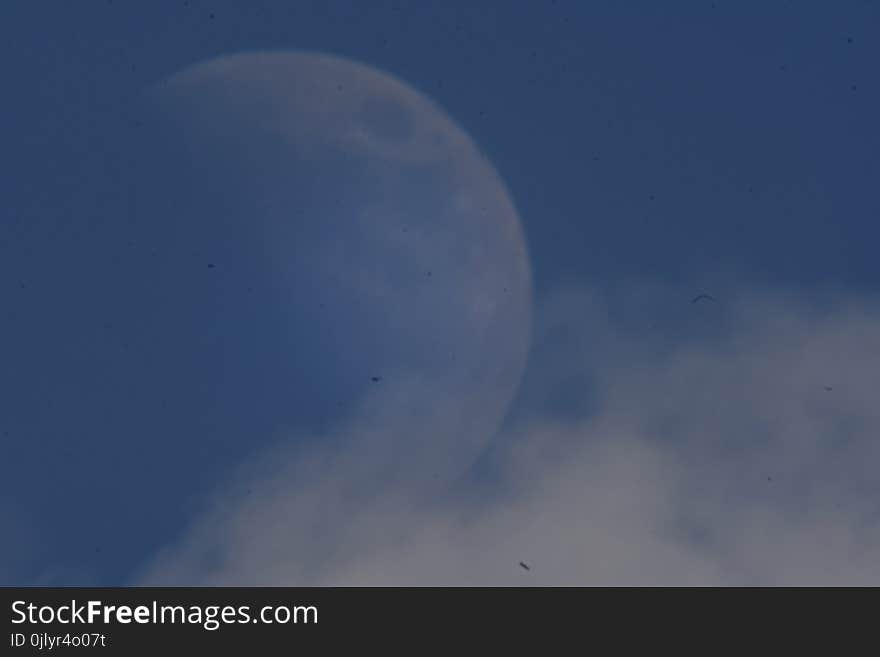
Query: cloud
[(657, 443)]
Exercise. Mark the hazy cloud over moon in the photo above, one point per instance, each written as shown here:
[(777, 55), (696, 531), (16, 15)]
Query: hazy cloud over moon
[(710, 460), (396, 246)]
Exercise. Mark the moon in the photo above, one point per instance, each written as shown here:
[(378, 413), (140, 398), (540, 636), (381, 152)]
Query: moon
[(399, 257)]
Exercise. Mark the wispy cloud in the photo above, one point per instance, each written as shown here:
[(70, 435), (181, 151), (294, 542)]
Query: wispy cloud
[(658, 443)]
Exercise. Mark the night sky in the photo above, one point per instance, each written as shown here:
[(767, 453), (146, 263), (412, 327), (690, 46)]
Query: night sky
[(175, 407)]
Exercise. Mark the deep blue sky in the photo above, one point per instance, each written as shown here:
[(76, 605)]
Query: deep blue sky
[(680, 142)]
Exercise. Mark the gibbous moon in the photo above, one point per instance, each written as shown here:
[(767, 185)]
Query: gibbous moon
[(400, 259)]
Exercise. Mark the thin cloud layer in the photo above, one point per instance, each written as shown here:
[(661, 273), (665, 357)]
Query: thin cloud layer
[(661, 444)]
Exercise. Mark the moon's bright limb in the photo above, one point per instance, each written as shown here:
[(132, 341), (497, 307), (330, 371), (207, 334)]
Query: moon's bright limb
[(401, 254)]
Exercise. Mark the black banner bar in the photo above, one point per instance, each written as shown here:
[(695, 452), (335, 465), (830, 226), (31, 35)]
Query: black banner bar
[(126, 621)]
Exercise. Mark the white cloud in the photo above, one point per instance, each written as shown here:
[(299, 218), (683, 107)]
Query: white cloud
[(711, 454)]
